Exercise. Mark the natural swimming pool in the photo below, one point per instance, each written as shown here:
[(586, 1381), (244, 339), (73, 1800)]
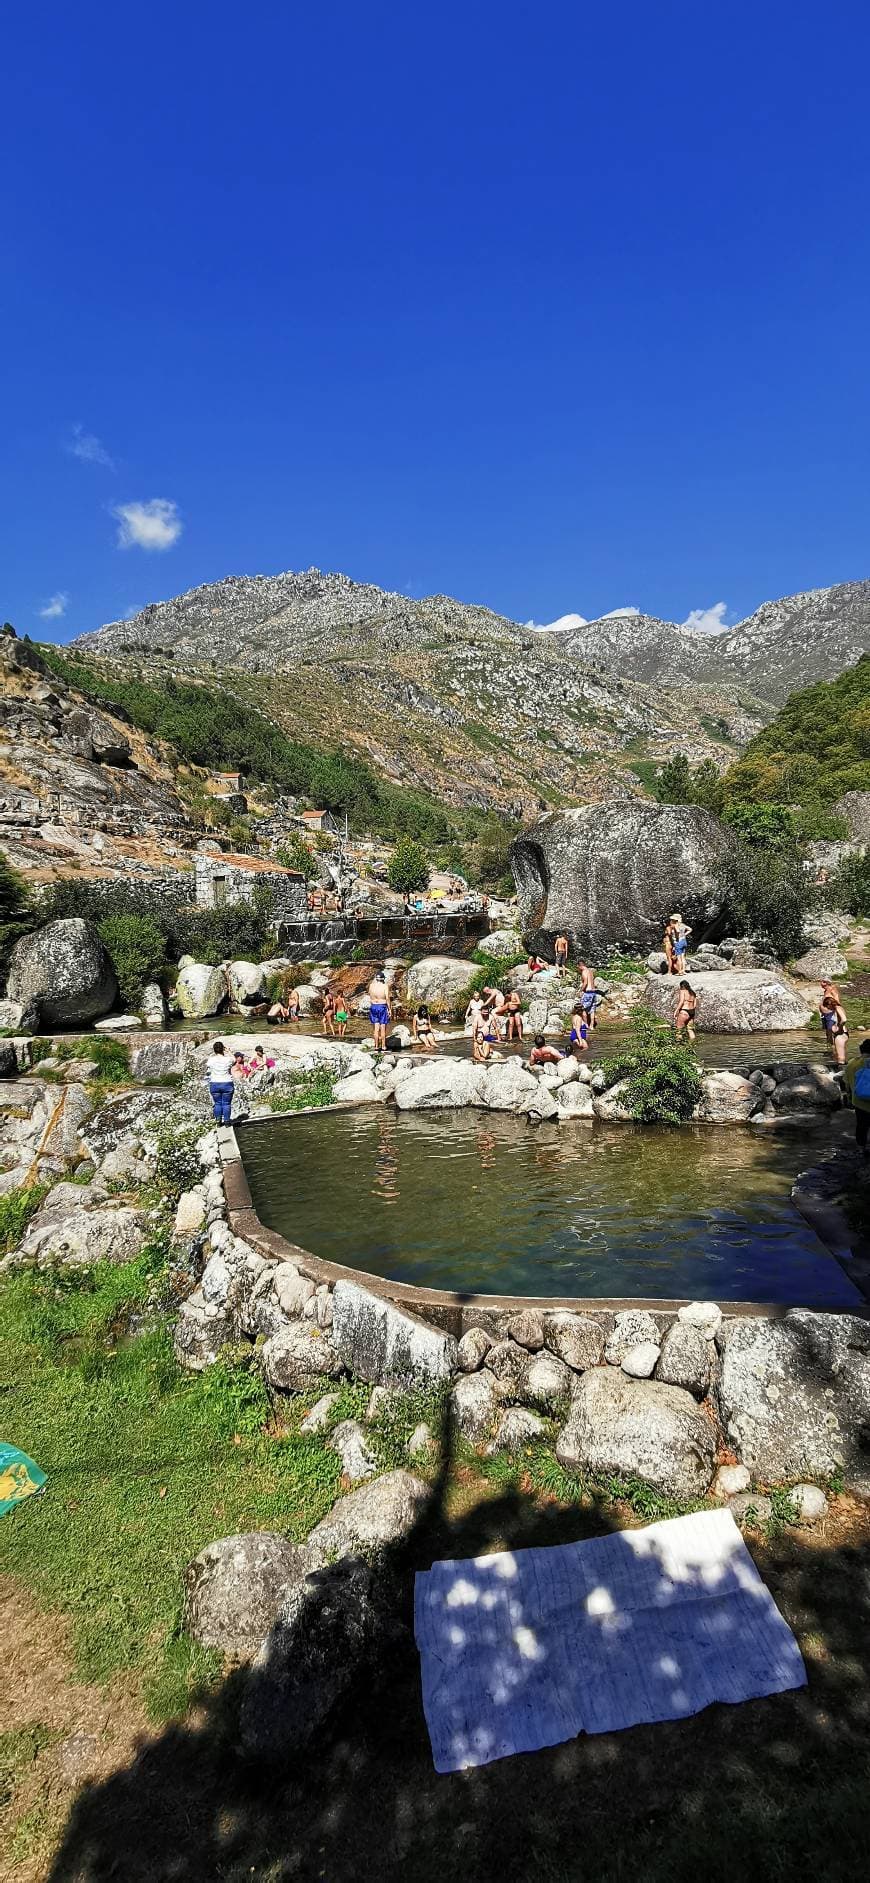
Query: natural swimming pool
[(485, 1203)]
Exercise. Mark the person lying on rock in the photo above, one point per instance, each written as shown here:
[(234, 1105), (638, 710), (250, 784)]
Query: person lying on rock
[(684, 1011), (535, 965), (543, 1054), (283, 1010)]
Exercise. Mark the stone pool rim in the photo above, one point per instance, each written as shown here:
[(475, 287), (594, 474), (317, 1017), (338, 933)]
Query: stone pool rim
[(455, 1311)]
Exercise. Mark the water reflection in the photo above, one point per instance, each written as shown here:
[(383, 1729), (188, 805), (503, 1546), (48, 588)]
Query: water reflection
[(386, 1165), (493, 1204)]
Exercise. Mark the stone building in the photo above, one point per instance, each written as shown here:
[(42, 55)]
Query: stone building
[(221, 880)]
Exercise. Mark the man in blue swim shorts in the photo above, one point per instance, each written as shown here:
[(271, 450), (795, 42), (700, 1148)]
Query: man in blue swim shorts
[(379, 1011)]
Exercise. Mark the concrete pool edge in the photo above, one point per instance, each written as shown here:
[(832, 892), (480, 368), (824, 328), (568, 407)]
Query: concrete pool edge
[(453, 1311)]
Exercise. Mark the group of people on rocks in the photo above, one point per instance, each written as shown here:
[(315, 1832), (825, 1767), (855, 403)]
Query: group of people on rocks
[(494, 1017), (226, 1072)]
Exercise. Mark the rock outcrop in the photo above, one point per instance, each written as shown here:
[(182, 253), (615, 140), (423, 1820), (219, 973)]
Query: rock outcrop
[(234, 1588), (200, 990), (609, 875), (439, 980), (796, 1395), (64, 970), (638, 1426), (749, 1000)]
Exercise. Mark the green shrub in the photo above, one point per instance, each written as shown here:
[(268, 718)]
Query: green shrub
[(241, 931), (850, 887), (763, 826), (177, 1165), (16, 909), (295, 854), (138, 950), (408, 867), (768, 893), (306, 1089), (662, 1073), (17, 1208)]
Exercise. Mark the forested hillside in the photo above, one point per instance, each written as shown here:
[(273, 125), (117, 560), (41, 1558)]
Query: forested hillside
[(817, 747), (210, 726)]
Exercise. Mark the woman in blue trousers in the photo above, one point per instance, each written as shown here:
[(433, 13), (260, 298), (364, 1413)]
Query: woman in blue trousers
[(219, 1072)]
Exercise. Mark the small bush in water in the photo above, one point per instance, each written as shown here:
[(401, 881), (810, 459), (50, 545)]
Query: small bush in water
[(663, 1078)]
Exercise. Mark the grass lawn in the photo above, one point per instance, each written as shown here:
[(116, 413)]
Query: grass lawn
[(146, 1464)]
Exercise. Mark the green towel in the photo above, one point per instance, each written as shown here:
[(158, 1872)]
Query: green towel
[(19, 1477)]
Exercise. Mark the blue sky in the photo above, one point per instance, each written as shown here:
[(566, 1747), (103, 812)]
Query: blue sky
[(554, 309)]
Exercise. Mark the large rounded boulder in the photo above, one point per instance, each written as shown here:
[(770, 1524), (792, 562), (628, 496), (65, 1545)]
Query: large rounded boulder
[(439, 980), (610, 875), (65, 971)]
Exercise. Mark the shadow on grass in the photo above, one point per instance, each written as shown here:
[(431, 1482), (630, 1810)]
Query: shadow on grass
[(769, 1788)]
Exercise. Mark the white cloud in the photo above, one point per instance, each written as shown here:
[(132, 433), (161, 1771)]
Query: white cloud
[(55, 606), (706, 620), (615, 614), (565, 625), (152, 525), (89, 449)]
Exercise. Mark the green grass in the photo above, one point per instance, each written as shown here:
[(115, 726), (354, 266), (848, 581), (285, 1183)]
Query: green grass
[(17, 1208), (646, 769), (142, 1470), (111, 1057), (309, 1088), (19, 1750)]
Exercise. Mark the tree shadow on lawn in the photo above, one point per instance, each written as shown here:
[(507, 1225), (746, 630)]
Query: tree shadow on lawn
[(767, 1787)]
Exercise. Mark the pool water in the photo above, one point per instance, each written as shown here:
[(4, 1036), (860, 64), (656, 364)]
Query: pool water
[(740, 1051), (486, 1203)]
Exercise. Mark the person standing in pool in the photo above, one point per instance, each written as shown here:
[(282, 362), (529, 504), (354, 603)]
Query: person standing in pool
[(379, 1011), (342, 1015), (836, 1026), (684, 1011), (483, 1037), (513, 1016), (589, 997), (544, 1055), (327, 1008)]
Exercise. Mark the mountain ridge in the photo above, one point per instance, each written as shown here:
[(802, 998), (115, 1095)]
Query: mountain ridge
[(468, 705)]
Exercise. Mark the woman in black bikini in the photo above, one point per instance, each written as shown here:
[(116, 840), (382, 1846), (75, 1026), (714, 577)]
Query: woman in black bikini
[(421, 1030), (684, 1011)]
